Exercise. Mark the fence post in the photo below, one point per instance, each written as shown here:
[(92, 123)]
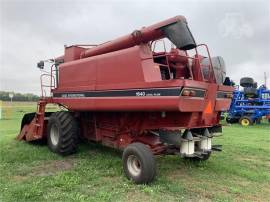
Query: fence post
[(1, 104)]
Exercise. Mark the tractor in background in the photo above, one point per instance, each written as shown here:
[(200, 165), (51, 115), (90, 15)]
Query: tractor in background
[(249, 105)]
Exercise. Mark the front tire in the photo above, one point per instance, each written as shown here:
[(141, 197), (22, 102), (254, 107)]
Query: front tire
[(246, 82), (62, 133), (139, 163), (245, 121)]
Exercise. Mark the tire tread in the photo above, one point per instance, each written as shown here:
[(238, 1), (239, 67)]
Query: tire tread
[(68, 132)]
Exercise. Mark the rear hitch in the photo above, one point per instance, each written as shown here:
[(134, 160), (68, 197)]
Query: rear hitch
[(217, 147)]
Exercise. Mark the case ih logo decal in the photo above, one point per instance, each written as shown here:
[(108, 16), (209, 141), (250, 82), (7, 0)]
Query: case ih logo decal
[(66, 95)]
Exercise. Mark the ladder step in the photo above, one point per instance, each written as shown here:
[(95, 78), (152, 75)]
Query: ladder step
[(41, 101), (159, 56), (161, 64)]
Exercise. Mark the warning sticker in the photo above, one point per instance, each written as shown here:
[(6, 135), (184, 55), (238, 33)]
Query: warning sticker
[(209, 108)]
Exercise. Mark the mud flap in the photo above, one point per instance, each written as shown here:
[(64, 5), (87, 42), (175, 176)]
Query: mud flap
[(27, 118)]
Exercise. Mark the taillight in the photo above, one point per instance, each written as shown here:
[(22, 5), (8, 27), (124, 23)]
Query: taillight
[(186, 93), (221, 95), (193, 92)]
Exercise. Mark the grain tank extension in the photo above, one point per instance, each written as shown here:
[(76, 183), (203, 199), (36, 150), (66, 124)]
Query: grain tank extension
[(127, 95)]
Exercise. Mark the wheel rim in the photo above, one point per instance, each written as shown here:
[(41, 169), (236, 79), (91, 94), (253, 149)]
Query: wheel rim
[(134, 165), (245, 122), (54, 135)]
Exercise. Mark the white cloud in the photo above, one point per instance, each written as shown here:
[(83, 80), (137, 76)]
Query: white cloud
[(236, 26)]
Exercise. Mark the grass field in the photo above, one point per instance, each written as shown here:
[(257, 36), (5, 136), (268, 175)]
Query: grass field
[(31, 172)]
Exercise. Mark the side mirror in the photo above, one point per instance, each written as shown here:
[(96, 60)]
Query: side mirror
[(40, 64)]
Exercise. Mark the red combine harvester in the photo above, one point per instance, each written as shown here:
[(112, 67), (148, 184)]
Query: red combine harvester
[(125, 95)]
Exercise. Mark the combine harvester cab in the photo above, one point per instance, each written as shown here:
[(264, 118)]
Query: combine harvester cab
[(127, 95)]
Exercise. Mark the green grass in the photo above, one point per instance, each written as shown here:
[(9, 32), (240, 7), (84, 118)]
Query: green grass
[(30, 172)]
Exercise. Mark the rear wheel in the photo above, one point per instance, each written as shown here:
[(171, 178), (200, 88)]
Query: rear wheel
[(62, 135), (139, 163), (245, 121), (246, 82)]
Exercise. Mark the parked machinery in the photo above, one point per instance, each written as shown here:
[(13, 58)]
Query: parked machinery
[(250, 104), (125, 95)]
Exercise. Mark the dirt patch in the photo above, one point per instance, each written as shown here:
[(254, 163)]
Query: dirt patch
[(181, 174), (52, 167), (137, 196), (251, 159), (114, 179), (46, 168), (19, 178)]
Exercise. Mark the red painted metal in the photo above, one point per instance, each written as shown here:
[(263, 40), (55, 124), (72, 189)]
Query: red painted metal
[(138, 37), (35, 130), (97, 84)]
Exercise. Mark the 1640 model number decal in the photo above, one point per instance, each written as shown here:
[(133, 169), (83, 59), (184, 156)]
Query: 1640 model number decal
[(143, 93)]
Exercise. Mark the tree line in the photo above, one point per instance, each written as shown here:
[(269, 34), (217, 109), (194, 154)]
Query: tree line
[(4, 96)]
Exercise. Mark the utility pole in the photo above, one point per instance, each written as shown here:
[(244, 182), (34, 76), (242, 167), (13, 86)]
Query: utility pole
[(1, 104), (265, 79), (11, 96)]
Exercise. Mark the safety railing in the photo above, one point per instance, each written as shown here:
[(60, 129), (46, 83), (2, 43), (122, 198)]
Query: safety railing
[(195, 59), (211, 73), (51, 84), (154, 43)]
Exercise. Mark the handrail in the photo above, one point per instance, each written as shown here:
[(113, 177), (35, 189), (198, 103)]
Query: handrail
[(155, 42), (196, 59), (52, 82), (210, 66)]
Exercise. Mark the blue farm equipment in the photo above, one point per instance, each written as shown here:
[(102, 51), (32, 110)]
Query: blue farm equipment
[(249, 105)]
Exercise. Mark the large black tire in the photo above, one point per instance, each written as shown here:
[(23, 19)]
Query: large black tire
[(246, 82), (245, 121), (250, 92), (62, 133), (139, 163)]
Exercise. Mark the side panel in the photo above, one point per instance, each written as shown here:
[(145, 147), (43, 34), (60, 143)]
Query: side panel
[(78, 75), (120, 68), (118, 129)]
